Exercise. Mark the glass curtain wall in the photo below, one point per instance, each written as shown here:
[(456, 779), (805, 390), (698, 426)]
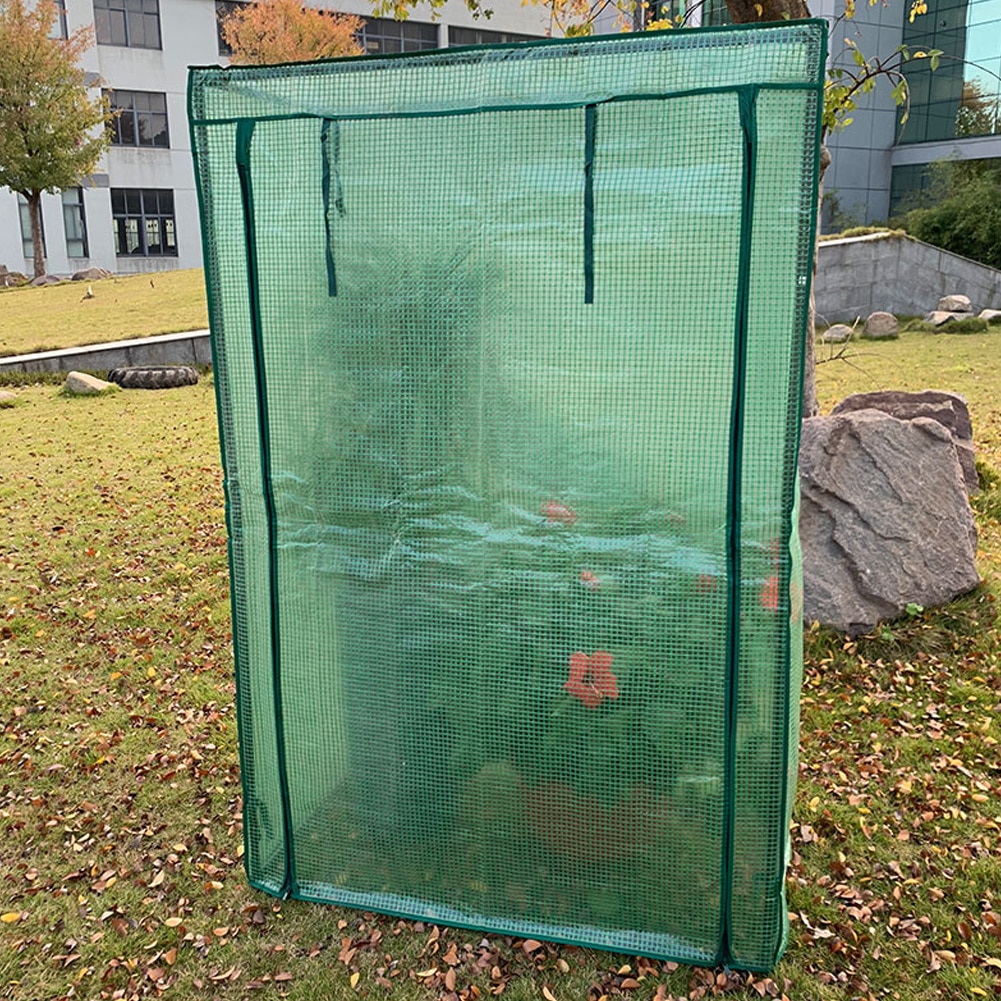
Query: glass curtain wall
[(962, 97)]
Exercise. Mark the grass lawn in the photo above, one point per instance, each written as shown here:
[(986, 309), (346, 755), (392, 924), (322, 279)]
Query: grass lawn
[(120, 798), (122, 308)]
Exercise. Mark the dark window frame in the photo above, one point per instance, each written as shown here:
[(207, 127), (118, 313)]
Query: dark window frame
[(459, 35), (75, 215), (145, 222), (117, 23), (128, 126), (60, 24), (380, 35), (223, 8)]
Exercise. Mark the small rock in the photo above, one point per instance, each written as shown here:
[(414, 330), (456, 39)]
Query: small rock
[(90, 275), (7, 399), (939, 317), (81, 384), (989, 314), (885, 520), (881, 326), (837, 334), (46, 280), (954, 304)]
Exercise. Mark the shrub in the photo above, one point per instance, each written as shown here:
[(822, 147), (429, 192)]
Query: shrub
[(964, 216), (970, 325), (919, 326)]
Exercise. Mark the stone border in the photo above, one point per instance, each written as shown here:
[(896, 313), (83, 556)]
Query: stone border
[(186, 348)]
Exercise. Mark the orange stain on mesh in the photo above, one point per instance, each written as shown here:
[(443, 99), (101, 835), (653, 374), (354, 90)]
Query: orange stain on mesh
[(591, 679)]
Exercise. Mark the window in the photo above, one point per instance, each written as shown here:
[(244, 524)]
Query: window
[(74, 223), (141, 118), (135, 23), (384, 34), (144, 222), (476, 36), (715, 13), (27, 244), (223, 8), (59, 27)]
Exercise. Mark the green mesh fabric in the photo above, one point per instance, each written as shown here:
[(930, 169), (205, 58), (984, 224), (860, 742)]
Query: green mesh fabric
[(508, 359)]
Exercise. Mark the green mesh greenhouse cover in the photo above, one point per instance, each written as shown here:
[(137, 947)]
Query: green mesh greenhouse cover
[(508, 350)]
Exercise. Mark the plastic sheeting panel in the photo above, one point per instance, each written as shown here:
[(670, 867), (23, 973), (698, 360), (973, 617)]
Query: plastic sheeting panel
[(508, 350)]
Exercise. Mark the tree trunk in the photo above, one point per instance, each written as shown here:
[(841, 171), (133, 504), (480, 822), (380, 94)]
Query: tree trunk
[(35, 213), (750, 11), (810, 406)]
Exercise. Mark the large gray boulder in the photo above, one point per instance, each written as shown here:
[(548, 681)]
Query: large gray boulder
[(884, 520), (949, 409)]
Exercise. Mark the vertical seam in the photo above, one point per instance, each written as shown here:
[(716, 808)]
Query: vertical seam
[(330, 148), (244, 135), (746, 99), (590, 129)]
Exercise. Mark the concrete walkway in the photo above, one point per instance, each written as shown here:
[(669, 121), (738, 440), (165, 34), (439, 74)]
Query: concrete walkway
[(187, 348)]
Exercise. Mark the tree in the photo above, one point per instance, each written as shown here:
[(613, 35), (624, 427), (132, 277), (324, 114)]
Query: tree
[(283, 31), (979, 114), (51, 133)]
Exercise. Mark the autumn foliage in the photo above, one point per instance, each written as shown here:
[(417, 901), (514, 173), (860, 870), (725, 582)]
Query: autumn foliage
[(283, 31)]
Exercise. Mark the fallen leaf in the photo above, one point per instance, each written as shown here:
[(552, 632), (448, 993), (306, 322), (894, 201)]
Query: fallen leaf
[(10, 917), (548, 994), (530, 945)]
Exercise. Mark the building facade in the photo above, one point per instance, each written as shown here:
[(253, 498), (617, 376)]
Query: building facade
[(138, 212), (881, 163)]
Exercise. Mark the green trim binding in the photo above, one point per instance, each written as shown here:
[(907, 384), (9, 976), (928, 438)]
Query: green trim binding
[(369, 63), (492, 108), (590, 127), (244, 135), (747, 99)]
